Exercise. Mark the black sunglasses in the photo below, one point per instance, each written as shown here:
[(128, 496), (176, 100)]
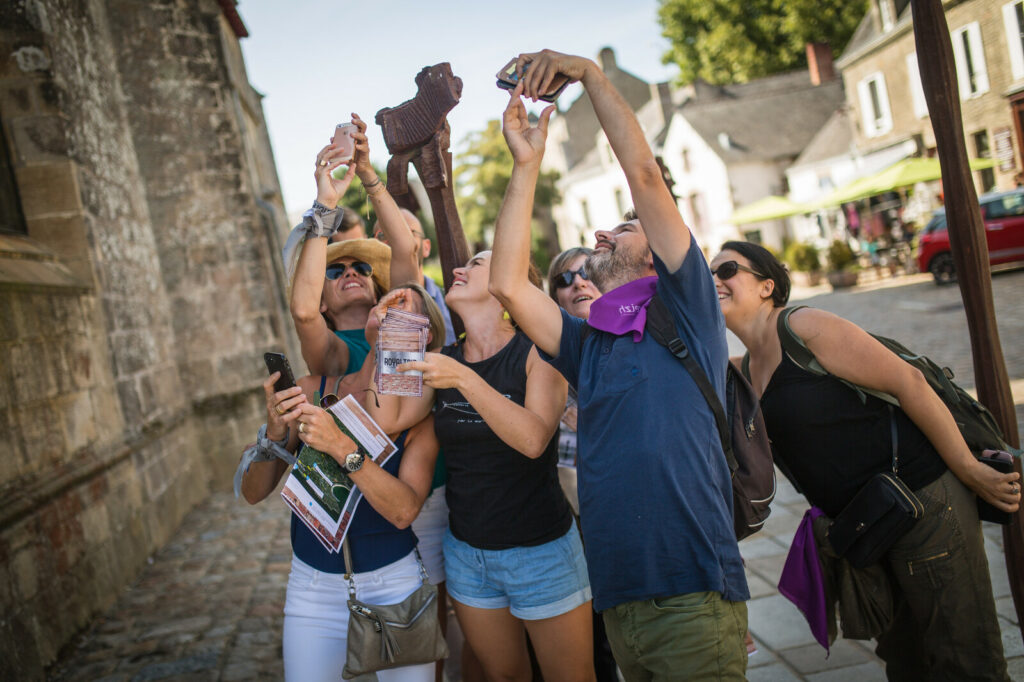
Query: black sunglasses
[(564, 279), (729, 268), (336, 270)]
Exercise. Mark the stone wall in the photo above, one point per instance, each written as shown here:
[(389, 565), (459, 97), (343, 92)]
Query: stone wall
[(135, 306)]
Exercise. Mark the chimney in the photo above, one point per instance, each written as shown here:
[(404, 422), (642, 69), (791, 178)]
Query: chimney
[(607, 58), (819, 63)]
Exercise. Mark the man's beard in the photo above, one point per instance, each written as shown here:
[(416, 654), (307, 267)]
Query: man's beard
[(611, 268)]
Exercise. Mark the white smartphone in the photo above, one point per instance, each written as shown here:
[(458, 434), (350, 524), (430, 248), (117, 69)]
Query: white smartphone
[(343, 138)]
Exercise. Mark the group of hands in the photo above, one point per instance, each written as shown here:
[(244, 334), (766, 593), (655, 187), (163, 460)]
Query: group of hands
[(535, 72), (290, 408)]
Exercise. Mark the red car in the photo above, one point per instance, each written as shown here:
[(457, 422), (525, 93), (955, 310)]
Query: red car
[(1003, 215)]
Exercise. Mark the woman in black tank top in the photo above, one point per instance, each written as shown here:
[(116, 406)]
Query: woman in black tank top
[(497, 408), (831, 443)]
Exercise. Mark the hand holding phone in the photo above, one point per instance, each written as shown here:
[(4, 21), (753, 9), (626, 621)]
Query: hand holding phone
[(1003, 463), (507, 80), (277, 362)]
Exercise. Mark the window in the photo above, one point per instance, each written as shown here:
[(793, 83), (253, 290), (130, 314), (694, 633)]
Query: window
[(11, 218), (696, 204), (1013, 20), (585, 207), (874, 105), (620, 202), (916, 91), (686, 160), (983, 151), (970, 61)]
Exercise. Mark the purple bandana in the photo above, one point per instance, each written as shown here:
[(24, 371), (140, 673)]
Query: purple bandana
[(624, 308), (802, 582)]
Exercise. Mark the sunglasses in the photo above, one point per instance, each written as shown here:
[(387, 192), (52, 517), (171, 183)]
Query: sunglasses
[(565, 279), (336, 270), (729, 268)]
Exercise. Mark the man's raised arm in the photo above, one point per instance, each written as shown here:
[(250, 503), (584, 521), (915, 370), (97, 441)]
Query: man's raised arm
[(533, 311), (667, 233)]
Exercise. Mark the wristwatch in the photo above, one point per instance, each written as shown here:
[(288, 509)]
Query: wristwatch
[(353, 462)]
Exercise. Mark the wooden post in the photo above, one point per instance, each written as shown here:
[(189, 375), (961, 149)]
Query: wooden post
[(970, 250), (417, 132)]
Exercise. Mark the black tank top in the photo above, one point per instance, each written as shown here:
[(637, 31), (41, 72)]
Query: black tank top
[(497, 497), (831, 443)]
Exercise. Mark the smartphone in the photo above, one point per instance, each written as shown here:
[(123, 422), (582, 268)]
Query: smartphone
[(343, 138), (277, 362), (1003, 463), (507, 79)]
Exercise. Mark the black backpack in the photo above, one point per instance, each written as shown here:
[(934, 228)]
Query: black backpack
[(976, 423), (742, 432)]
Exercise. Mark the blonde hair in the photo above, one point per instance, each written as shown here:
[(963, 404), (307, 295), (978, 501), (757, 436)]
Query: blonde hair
[(433, 313)]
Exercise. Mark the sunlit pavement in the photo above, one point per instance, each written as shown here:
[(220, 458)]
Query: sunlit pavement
[(209, 605)]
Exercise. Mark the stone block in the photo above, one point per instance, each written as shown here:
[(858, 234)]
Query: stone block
[(65, 236), (47, 189), (23, 568), (79, 419), (16, 98), (39, 139)]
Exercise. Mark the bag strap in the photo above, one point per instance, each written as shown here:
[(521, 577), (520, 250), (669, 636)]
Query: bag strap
[(347, 556), (662, 329), (745, 366), (801, 355), (895, 440)]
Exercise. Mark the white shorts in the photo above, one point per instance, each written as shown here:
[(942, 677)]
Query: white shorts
[(429, 527)]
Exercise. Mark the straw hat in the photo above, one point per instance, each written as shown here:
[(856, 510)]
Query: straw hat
[(372, 251)]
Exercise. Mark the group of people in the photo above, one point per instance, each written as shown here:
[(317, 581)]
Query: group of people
[(473, 494)]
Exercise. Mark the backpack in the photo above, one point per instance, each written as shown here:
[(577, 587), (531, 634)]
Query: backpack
[(976, 423), (740, 426)]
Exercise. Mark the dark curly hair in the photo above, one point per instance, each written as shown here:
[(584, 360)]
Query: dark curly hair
[(762, 260)]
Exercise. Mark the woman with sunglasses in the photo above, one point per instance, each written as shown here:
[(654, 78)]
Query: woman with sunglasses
[(336, 285), (831, 442), (380, 538)]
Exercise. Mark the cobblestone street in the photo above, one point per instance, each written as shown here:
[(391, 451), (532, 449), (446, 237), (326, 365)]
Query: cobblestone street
[(209, 604)]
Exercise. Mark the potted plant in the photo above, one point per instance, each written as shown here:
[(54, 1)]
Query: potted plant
[(803, 260), (841, 265)]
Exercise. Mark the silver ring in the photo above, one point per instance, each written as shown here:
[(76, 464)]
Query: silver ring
[(277, 408), (302, 427), (1014, 489), (323, 162)]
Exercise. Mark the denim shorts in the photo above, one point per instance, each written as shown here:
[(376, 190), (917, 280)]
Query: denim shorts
[(532, 582)]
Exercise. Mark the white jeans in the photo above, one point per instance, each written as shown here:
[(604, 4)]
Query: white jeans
[(316, 619), (429, 527)]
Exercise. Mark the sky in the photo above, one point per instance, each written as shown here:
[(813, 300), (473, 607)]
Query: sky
[(317, 61)]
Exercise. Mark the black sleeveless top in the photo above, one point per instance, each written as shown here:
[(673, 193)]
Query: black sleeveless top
[(831, 443), (497, 497)]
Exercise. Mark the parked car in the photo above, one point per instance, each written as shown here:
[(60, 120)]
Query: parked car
[(1003, 215)]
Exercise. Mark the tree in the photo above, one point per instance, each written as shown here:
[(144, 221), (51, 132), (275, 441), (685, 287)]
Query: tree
[(733, 42), (481, 178)]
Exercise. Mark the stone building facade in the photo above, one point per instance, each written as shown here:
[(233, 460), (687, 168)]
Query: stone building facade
[(883, 85), (139, 285)]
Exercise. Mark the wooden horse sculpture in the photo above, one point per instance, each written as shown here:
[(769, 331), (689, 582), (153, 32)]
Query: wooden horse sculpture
[(417, 132)]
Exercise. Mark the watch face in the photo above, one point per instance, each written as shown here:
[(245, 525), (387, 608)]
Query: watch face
[(353, 461)]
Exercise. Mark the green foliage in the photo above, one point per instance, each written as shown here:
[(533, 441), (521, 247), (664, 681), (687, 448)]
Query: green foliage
[(802, 257), (481, 178), (840, 256), (734, 42)]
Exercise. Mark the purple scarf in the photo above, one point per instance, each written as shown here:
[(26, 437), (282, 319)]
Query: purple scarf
[(624, 308), (802, 582)]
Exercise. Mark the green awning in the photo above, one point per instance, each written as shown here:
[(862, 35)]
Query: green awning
[(768, 208), (901, 174)]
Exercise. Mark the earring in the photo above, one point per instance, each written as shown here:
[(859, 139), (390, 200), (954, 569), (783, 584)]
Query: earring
[(505, 316)]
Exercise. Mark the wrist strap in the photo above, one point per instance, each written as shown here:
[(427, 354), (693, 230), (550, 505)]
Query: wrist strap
[(263, 450)]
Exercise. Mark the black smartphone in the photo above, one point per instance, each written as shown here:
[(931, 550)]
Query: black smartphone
[(1004, 465), (277, 362), (507, 79)]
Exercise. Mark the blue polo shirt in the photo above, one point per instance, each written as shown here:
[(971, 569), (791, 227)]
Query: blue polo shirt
[(654, 486)]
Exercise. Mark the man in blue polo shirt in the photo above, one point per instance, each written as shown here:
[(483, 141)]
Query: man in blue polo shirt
[(654, 486)]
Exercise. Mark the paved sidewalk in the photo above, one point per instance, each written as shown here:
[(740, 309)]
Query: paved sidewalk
[(209, 605)]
